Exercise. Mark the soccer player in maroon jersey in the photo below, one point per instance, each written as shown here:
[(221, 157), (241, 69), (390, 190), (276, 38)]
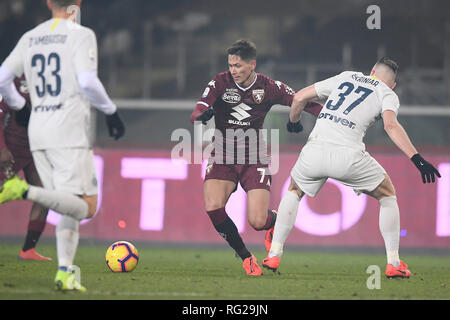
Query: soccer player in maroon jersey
[(15, 156), (240, 99)]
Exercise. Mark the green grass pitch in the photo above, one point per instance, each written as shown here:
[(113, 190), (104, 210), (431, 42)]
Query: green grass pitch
[(207, 274)]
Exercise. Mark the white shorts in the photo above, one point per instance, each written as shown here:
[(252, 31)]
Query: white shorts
[(319, 161), (69, 170)]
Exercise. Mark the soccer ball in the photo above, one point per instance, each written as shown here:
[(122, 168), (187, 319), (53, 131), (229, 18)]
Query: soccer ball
[(122, 256)]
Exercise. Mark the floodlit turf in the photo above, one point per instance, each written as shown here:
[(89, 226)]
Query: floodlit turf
[(200, 274)]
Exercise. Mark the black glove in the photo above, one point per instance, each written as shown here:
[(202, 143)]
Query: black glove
[(115, 126), (294, 126), (23, 115), (206, 115), (426, 169)]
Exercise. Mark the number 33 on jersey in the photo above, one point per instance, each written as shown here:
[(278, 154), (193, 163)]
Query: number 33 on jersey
[(49, 56)]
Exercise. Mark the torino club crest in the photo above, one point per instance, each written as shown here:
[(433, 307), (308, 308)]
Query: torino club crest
[(258, 95)]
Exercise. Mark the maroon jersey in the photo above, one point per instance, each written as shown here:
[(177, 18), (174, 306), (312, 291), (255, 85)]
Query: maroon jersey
[(13, 136), (243, 108)]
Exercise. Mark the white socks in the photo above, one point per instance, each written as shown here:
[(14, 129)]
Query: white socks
[(287, 214), (73, 209), (64, 203), (67, 237), (389, 222)]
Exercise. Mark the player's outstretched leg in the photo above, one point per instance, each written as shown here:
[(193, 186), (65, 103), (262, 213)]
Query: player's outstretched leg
[(272, 214), (389, 222), (287, 213), (67, 237), (36, 226), (37, 222), (228, 230), (259, 216)]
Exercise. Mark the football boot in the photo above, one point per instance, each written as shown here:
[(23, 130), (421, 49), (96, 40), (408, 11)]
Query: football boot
[(398, 272), (251, 266)]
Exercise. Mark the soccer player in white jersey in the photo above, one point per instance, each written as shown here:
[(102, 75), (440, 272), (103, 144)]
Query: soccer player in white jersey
[(59, 61), (335, 149)]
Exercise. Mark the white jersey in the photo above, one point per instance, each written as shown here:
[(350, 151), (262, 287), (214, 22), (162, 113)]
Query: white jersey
[(354, 103), (51, 56)]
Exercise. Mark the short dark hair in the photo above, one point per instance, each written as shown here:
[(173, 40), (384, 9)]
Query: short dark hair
[(63, 3), (245, 49), (391, 64)]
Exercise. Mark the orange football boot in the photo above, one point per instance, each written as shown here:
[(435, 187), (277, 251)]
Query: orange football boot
[(398, 272), (271, 263), (251, 266), (269, 236), (31, 254)]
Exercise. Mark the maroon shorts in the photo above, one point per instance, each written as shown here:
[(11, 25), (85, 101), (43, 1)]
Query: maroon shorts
[(251, 176)]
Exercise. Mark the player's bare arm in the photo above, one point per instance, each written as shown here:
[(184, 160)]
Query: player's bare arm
[(397, 133), (399, 136), (299, 102)]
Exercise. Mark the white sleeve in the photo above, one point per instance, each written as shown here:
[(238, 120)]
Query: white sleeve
[(92, 87), (14, 62), (325, 87), (85, 54), (390, 101), (8, 90)]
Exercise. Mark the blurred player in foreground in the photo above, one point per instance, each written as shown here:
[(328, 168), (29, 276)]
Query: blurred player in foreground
[(240, 99), (335, 149), (15, 156), (59, 60)]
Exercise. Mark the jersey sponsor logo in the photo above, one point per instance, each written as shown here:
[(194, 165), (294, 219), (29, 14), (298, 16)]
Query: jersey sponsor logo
[(241, 114), (231, 97), (239, 123), (258, 95), (47, 108), (342, 121)]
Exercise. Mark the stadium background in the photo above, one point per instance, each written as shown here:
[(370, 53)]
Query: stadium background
[(155, 59)]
